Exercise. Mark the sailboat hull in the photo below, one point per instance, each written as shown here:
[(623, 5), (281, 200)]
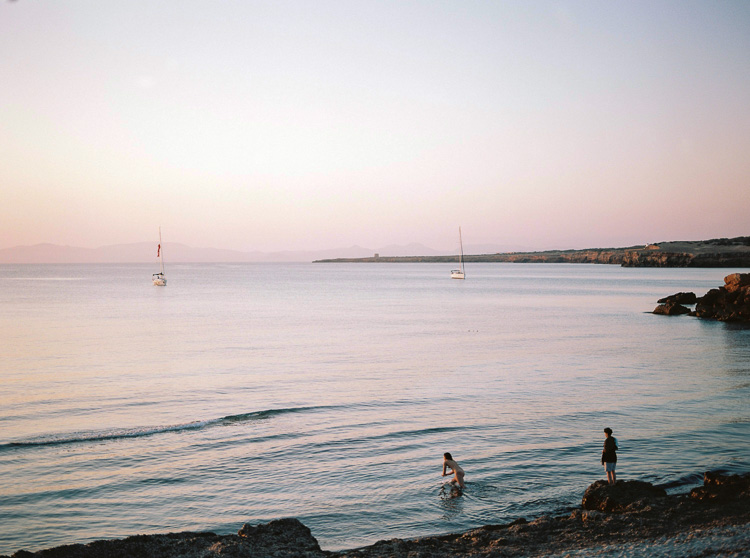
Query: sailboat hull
[(159, 280), (457, 274)]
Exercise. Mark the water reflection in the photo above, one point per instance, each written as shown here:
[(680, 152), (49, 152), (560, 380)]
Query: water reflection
[(450, 502)]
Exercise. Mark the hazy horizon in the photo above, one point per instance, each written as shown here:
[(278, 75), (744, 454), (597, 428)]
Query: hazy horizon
[(296, 126), (145, 252), (175, 252)]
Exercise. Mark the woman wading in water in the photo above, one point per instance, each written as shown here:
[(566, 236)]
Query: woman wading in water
[(448, 463)]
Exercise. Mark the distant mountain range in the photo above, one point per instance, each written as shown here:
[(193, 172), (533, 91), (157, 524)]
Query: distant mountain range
[(144, 252)]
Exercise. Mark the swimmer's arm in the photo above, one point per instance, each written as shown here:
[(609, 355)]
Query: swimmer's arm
[(443, 468)]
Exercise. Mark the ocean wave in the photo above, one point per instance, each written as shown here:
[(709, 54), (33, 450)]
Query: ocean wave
[(683, 481), (143, 431)]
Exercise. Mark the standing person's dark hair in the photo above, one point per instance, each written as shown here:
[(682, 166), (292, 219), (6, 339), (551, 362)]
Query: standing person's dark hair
[(609, 455)]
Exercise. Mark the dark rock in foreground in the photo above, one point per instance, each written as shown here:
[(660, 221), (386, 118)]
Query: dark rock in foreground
[(286, 534), (625, 495), (641, 512), (282, 538), (722, 488)]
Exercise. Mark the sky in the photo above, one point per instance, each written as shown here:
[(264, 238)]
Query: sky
[(306, 125)]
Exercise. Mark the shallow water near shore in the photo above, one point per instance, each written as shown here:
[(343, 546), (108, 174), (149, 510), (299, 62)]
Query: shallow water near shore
[(329, 392)]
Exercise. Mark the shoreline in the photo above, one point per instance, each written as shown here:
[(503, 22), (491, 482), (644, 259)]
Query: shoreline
[(631, 518), (720, 252)]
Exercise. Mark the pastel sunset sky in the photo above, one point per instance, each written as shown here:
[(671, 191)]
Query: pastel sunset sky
[(303, 125)]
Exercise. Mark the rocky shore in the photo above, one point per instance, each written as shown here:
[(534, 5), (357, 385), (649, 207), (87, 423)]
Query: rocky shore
[(631, 518), (728, 303), (718, 252)]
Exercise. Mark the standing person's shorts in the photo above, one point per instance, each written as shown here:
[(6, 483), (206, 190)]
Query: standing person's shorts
[(610, 466)]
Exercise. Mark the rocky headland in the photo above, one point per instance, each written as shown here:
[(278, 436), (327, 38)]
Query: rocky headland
[(718, 252), (728, 303), (631, 518)]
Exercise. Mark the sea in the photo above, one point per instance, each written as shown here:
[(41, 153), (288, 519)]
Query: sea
[(243, 393)]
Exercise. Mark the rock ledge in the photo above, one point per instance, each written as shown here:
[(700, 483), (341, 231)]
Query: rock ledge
[(729, 303)]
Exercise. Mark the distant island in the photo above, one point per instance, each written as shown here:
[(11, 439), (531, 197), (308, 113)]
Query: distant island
[(718, 252)]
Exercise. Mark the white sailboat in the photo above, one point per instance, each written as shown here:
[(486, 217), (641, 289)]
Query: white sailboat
[(159, 279), (459, 273)]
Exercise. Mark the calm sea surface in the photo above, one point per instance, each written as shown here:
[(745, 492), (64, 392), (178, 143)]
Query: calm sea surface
[(329, 392)]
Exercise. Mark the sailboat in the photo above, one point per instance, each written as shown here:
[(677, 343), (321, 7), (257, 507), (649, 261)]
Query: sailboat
[(159, 279), (459, 273)]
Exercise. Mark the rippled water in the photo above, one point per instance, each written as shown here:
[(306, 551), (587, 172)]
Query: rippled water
[(244, 393)]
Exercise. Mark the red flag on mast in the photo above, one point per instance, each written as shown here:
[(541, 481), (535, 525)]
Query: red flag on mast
[(158, 250)]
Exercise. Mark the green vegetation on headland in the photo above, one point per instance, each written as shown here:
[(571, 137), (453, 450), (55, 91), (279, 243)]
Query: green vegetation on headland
[(718, 252)]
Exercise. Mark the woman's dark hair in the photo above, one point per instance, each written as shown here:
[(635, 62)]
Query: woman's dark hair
[(448, 456), (608, 430)]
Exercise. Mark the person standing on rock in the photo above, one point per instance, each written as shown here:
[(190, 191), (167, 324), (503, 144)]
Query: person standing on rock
[(609, 455), (448, 463)]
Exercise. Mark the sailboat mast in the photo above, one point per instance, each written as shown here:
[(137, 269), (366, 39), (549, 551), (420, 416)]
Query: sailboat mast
[(461, 256), (161, 253)]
